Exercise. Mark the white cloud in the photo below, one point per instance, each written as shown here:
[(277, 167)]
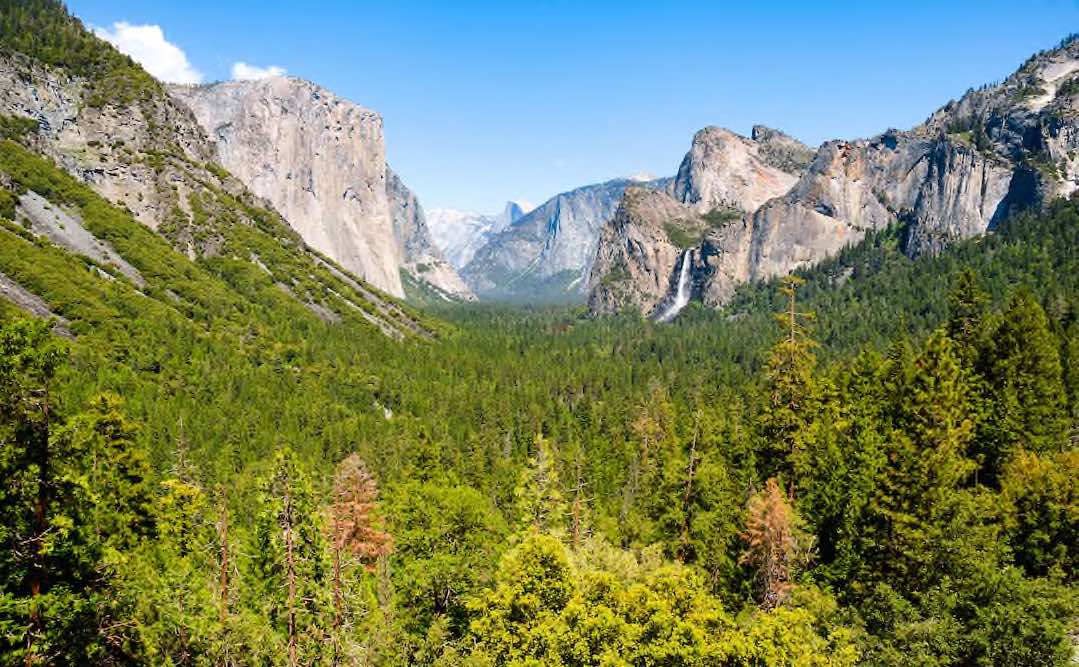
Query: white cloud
[(241, 71), (148, 46)]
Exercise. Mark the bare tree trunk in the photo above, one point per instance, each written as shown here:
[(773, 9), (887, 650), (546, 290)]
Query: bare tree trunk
[(338, 604), (686, 494), (223, 537), (40, 526), (578, 502), (290, 570)]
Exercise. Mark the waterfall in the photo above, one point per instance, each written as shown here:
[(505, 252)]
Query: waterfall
[(681, 297)]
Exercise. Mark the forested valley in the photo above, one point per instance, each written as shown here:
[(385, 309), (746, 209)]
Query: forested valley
[(218, 448), (872, 462)]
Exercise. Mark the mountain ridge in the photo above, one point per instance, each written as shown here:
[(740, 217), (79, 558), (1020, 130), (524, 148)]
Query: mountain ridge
[(970, 165)]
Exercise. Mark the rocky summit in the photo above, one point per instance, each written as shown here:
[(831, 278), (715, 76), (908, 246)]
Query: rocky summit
[(321, 161), (756, 208), (546, 255), (459, 234)]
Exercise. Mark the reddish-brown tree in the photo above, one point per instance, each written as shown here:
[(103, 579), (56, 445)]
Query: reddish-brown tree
[(776, 545)]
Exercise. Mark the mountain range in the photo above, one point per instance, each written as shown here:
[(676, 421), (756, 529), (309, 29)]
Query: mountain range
[(744, 210), (738, 209)]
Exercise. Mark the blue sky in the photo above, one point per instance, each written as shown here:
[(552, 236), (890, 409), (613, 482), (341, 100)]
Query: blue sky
[(488, 101)]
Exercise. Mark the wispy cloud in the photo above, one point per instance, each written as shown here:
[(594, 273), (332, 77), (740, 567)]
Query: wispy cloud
[(242, 71), (148, 46)]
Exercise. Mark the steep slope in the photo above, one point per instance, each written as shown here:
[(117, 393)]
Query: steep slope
[(723, 169), (460, 234), (424, 270), (547, 253), (971, 165), (112, 127), (321, 161), (654, 235)]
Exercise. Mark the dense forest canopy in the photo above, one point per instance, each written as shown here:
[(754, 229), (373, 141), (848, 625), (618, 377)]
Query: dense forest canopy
[(870, 462), (891, 480)]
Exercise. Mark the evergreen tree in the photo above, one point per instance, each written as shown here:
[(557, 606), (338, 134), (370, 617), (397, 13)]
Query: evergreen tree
[(1027, 398), (926, 448), (289, 580), (968, 307), (48, 571), (789, 418), (541, 504)]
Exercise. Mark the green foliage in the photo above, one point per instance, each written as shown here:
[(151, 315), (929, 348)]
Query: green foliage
[(925, 435), (288, 578), (1041, 512), (15, 128), (551, 607), (45, 31), (445, 539), (1022, 373)]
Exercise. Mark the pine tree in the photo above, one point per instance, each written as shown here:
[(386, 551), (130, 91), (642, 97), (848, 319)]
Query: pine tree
[(357, 539), (540, 501), (652, 429), (789, 418), (289, 571), (49, 558), (968, 305), (777, 547), (925, 444), (1027, 398)]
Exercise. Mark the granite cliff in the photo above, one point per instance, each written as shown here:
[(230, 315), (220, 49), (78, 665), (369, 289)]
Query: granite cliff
[(546, 254), (767, 209), (321, 161)]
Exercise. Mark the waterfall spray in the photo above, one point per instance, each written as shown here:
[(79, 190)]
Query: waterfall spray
[(681, 297)]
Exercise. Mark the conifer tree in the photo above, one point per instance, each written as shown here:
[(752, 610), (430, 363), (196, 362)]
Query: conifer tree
[(652, 428), (777, 547), (967, 305), (1027, 398), (49, 557), (540, 502), (925, 445), (357, 539), (789, 417), (289, 571)]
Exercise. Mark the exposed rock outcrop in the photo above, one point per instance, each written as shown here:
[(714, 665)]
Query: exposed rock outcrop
[(420, 257), (149, 155), (637, 260), (47, 219), (998, 150), (108, 146), (724, 169), (321, 161), (547, 254), (460, 234)]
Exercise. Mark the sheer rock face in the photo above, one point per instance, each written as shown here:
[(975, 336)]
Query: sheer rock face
[(547, 253), (724, 169), (723, 177), (321, 161), (996, 151), (422, 259), (637, 262)]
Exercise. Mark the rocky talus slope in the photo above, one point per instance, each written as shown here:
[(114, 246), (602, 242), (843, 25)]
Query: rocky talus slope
[(321, 161), (996, 151)]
